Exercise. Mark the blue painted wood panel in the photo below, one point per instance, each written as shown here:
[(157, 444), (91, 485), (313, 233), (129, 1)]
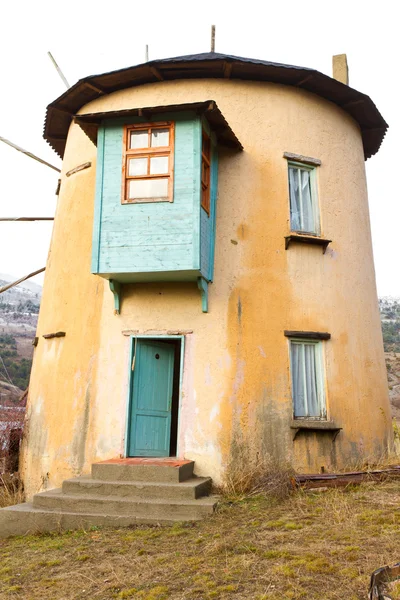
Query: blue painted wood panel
[(98, 201), (208, 222), (150, 237), (151, 399)]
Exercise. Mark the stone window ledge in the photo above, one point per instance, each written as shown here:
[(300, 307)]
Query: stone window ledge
[(298, 425), (306, 239)]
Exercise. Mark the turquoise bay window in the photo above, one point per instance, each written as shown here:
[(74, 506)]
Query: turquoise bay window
[(156, 191)]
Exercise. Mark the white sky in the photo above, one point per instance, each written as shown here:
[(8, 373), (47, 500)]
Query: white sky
[(92, 37)]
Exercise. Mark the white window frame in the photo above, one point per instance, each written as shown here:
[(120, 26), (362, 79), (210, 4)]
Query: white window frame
[(320, 379), (314, 197)]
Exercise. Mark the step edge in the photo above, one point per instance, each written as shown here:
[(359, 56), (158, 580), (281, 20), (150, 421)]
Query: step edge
[(188, 483), (56, 512), (203, 500)]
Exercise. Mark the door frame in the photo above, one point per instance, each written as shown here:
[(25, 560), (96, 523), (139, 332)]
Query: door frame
[(150, 337)]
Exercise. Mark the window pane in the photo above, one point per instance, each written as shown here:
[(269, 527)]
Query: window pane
[(308, 399), (148, 188), (311, 381), (205, 174), (137, 166), (307, 208), (158, 165), (302, 209), (139, 139), (159, 137), (206, 146), (297, 368), (205, 200), (294, 193)]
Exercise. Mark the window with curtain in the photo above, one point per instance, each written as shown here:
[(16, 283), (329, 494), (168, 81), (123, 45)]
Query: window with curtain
[(147, 170), (307, 379), (304, 215)]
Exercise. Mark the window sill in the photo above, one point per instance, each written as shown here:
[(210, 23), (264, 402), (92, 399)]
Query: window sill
[(298, 425), (306, 239), (146, 200)]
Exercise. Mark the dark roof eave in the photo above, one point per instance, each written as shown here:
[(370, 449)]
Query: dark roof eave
[(213, 65), (89, 122)]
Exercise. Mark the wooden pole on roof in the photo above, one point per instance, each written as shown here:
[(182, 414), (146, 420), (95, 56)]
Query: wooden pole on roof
[(212, 38), (61, 74), (14, 283), (26, 218), (29, 154), (147, 53)]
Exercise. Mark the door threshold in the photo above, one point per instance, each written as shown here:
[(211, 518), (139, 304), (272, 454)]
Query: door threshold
[(168, 461)]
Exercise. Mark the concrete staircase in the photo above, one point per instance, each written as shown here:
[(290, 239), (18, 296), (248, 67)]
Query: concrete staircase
[(119, 493)]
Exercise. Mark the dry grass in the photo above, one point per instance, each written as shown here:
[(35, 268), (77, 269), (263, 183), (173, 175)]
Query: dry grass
[(11, 490), (247, 475), (314, 546)]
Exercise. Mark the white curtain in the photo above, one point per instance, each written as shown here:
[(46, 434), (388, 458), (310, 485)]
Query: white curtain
[(295, 222), (304, 380), (307, 208), (311, 380), (301, 208), (299, 400)]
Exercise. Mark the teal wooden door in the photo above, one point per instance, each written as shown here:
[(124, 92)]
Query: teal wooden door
[(151, 399)]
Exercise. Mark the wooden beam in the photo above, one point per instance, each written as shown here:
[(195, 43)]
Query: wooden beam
[(57, 334), (227, 70), (85, 165), (305, 80), (61, 74), (156, 73), (115, 287), (308, 160), (57, 137), (14, 283), (212, 38), (96, 88), (308, 335), (26, 218), (63, 110), (44, 162), (353, 103), (202, 284)]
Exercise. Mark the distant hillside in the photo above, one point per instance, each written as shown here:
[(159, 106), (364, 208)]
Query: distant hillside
[(390, 318), (19, 309)]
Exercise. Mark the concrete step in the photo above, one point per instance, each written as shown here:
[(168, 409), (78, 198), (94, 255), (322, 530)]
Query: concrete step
[(24, 519), (181, 510), (190, 489), (121, 492), (170, 470)]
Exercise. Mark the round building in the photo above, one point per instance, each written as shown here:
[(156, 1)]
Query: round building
[(210, 290)]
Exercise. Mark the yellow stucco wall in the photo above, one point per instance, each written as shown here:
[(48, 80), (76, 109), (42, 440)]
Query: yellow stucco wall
[(236, 383)]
